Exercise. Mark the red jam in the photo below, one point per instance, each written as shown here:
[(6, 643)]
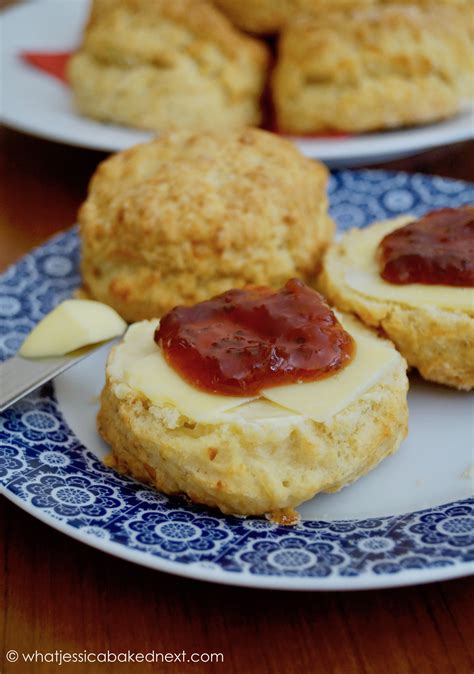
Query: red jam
[(438, 249), (243, 341)]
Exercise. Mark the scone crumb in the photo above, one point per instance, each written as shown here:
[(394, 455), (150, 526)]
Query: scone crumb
[(81, 294), (110, 460), (286, 517)]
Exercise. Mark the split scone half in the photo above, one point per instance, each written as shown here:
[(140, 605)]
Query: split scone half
[(256, 455), (373, 68), (431, 325), (158, 65)]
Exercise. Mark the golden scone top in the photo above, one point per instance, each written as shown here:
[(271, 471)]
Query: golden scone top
[(189, 215), (150, 30), (269, 16)]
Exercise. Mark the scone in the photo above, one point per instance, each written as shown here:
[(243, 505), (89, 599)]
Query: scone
[(254, 454), (432, 325), (269, 16), (159, 65), (189, 215), (374, 68)]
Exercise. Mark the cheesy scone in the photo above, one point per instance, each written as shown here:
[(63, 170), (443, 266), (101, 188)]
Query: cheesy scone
[(189, 215), (224, 433), (425, 301), (162, 65)]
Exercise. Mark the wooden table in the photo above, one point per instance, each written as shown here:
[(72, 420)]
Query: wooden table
[(57, 594)]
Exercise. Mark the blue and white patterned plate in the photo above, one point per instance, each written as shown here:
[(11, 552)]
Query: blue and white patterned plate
[(409, 521)]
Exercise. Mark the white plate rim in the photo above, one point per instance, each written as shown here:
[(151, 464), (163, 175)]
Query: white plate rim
[(108, 137), (362, 582)]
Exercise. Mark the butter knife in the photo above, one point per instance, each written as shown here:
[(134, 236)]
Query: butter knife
[(20, 376)]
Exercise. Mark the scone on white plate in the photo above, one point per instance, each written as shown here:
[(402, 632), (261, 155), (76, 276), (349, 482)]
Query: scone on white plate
[(270, 16), (161, 64), (372, 68)]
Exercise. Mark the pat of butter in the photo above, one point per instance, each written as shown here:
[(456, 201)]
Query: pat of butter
[(72, 325), (363, 275), (150, 374)]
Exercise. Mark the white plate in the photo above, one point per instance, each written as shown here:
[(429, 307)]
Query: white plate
[(411, 520), (36, 103)]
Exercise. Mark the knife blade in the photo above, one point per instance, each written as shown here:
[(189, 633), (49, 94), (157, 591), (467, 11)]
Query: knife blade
[(20, 376)]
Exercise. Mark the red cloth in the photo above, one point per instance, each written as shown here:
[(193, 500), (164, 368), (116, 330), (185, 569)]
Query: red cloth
[(53, 63)]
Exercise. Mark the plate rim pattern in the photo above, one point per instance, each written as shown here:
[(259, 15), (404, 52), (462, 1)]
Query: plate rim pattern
[(47, 471)]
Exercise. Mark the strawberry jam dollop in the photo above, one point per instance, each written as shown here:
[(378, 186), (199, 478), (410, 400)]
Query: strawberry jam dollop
[(437, 249), (243, 341)]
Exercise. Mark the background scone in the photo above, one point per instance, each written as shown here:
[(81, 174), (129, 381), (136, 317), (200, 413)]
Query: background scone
[(188, 216), (160, 65), (374, 68), (255, 458), (432, 326), (269, 16)]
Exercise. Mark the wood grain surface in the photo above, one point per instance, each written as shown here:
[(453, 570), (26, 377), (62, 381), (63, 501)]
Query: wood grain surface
[(59, 595)]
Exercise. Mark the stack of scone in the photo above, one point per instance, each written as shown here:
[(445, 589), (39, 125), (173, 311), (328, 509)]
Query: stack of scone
[(238, 385), (348, 65)]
